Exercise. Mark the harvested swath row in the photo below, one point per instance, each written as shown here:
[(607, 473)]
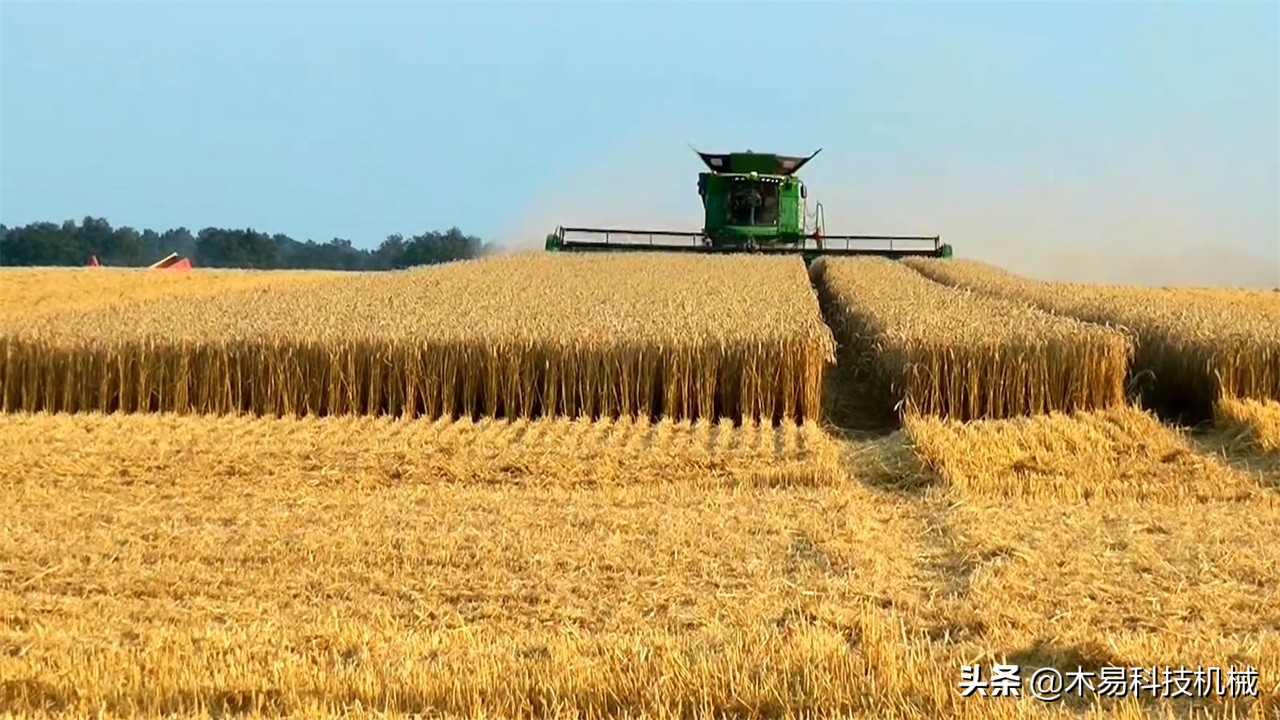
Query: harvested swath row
[(516, 336), (228, 565), (1113, 454), (1061, 521), (25, 292), (1256, 420), (1193, 347), (263, 582), (948, 352), (175, 448)]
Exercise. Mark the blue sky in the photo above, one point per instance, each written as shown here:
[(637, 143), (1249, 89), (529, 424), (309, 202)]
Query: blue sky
[(1128, 140)]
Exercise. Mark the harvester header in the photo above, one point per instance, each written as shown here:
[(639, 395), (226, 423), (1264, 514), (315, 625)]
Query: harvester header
[(752, 203)]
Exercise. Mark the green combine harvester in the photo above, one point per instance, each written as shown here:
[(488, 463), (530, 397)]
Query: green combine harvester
[(753, 203)]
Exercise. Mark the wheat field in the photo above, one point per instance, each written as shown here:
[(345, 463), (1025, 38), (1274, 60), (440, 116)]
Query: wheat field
[(1193, 346), (953, 353), (185, 565), (26, 292), (519, 336), (306, 563), (1244, 297)]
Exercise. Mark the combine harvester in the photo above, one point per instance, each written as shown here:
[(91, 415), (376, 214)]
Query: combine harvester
[(753, 203)]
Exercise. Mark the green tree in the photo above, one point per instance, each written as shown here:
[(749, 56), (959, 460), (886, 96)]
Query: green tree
[(43, 244), (390, 254), (179, 240), (124, 247), (247, 248), (95, 234), (46, 243)]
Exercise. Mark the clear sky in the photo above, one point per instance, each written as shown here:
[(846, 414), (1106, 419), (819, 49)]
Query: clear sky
[(1140, 141)]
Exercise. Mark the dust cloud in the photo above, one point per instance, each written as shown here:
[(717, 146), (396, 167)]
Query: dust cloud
[(632, 190), (1087, 233)]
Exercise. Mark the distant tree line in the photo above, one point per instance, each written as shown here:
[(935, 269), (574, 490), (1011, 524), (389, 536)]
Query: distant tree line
[(71, 243)]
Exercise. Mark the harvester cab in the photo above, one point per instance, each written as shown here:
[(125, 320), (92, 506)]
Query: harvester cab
[(752, 203)]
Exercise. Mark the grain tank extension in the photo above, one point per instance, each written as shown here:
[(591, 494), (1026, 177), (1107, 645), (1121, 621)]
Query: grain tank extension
[(752, 203)]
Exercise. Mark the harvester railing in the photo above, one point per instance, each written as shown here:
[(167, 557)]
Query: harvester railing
[(607, 236), (814, 244)]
